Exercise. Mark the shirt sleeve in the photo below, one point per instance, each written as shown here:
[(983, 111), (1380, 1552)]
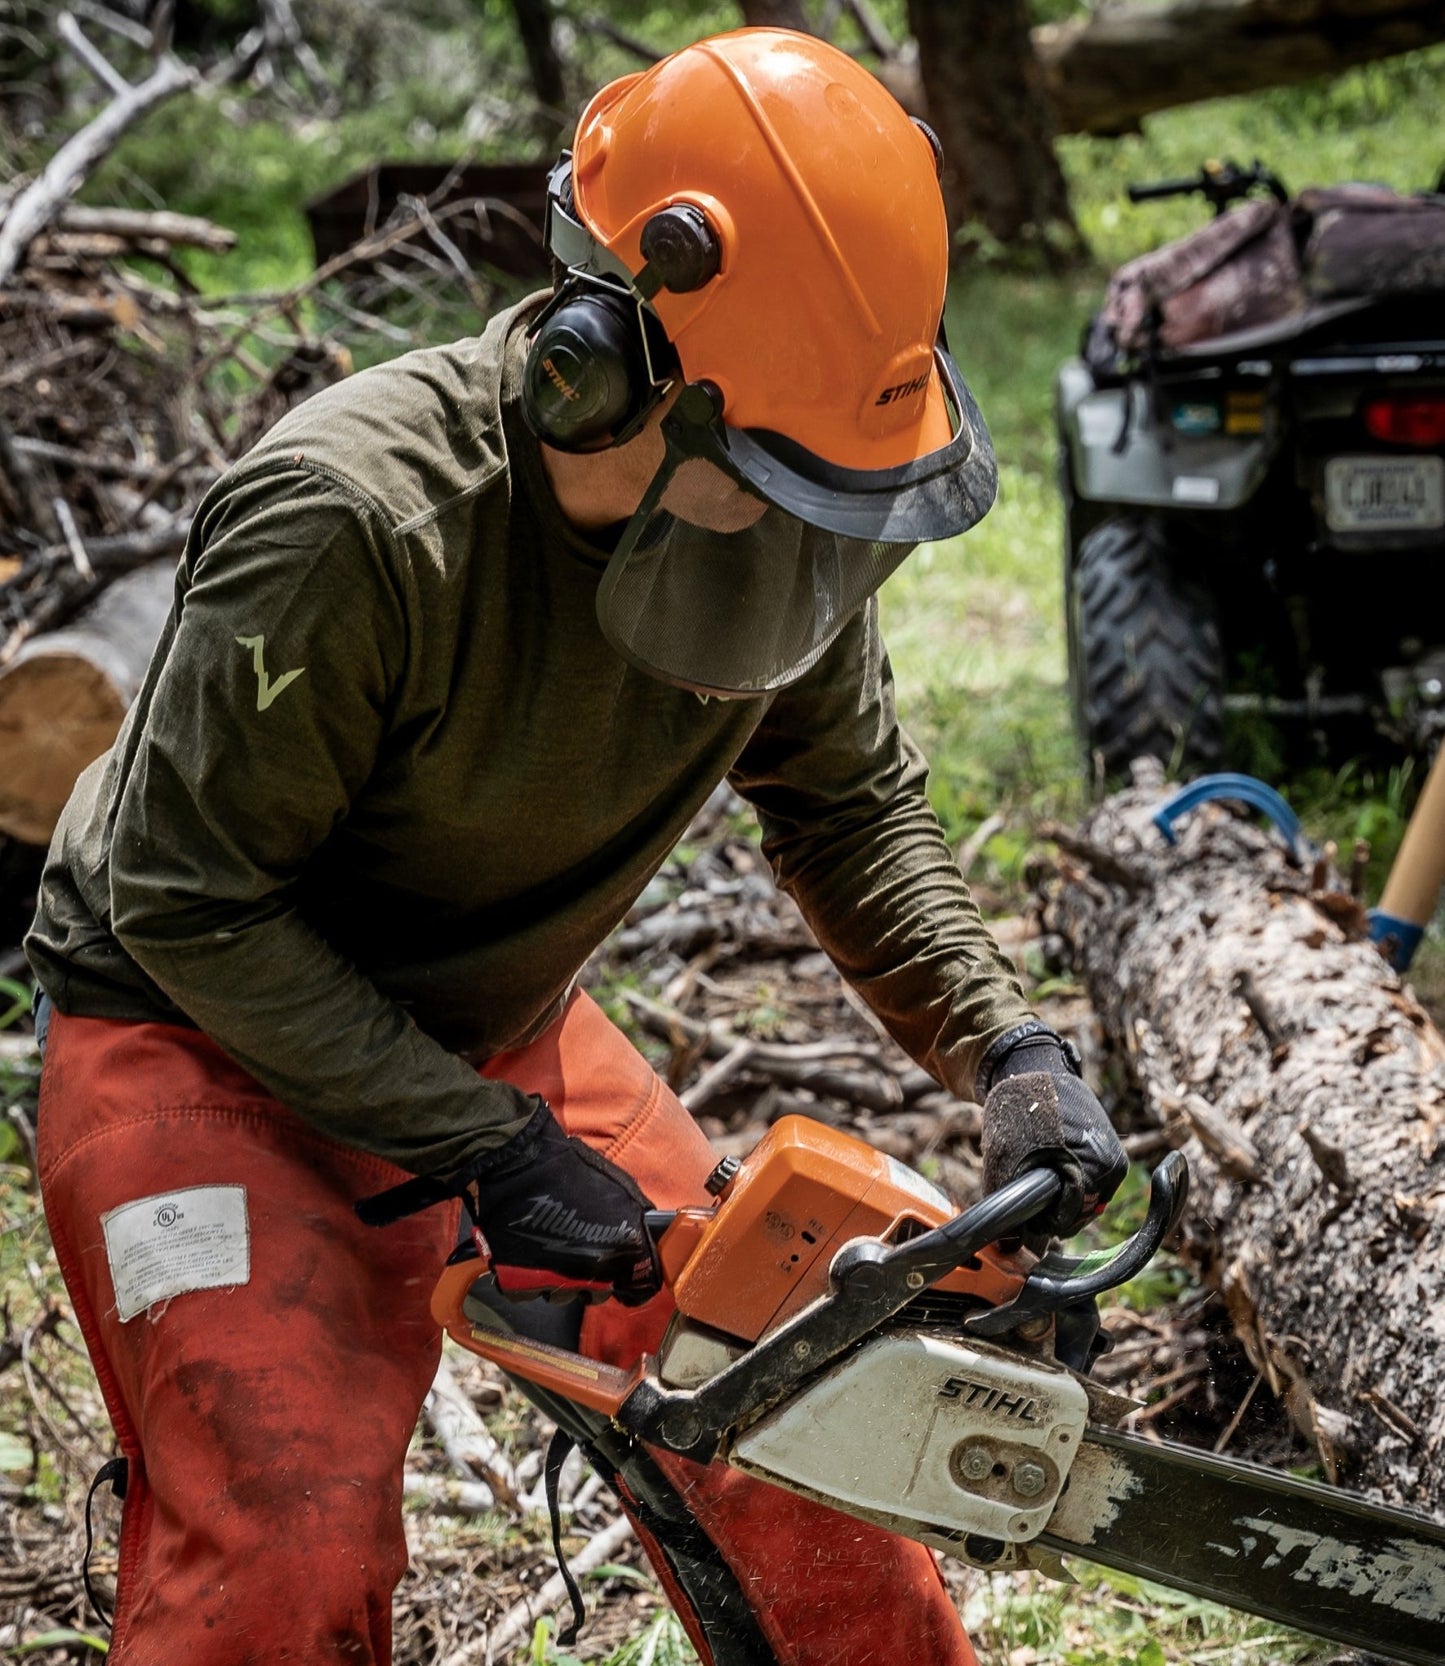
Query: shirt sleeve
[(840, 792), (262, 717)]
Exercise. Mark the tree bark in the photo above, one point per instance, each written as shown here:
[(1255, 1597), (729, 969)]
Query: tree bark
[(63, 696), (987, 104), (534, 25), (1107, 71), (1307, 1086)]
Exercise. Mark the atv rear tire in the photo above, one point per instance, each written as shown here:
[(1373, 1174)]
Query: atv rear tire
[(1146, 670)]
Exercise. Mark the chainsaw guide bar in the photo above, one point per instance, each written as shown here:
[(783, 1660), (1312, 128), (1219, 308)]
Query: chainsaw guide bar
[(1313, 1557)]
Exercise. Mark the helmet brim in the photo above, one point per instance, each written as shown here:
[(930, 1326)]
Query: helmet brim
[(938, 495)]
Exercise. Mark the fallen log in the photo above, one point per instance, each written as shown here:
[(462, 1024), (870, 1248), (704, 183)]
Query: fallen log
[(63, 695), (1106, 71), (1275, 1045)]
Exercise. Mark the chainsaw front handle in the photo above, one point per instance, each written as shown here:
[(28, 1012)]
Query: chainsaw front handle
[(1061, 1281), (904, 1270)]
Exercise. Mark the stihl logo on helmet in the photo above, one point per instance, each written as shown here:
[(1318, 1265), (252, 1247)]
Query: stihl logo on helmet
[(902, 390)]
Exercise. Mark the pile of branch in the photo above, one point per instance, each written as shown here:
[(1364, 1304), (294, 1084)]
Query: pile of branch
[(124, 393)]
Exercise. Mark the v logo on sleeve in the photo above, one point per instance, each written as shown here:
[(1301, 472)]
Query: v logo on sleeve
[(266, 690)]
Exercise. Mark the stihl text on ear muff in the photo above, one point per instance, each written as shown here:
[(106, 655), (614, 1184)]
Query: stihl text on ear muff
[(586, 381)]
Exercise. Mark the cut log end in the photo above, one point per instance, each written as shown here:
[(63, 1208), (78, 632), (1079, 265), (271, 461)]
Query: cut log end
[(58, 712)]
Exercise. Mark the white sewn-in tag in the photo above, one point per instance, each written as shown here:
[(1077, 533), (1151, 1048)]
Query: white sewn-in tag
[(163, 1246)]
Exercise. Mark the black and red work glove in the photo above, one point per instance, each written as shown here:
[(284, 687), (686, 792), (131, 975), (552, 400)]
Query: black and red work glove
[(1040, 1113), (554, 1214)]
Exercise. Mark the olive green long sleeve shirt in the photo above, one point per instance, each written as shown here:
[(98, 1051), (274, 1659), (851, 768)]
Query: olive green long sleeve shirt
[(386, 786)]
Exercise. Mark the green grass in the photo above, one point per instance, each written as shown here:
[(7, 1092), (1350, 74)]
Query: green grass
[(1112, 1619)]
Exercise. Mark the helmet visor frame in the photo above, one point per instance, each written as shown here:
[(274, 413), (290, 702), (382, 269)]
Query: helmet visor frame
[(938, 495)]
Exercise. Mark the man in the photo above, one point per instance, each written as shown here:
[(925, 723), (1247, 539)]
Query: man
[(457, 652)]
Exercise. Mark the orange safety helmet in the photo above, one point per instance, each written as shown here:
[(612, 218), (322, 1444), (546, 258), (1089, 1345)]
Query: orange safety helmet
[(757, 216), (824, 197)]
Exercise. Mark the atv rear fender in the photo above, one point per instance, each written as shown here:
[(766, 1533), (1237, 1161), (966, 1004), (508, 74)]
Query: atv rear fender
[(1156, 466)]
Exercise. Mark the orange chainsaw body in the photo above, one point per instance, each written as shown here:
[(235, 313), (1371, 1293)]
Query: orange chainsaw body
[(764, 1251), (754, 1258)]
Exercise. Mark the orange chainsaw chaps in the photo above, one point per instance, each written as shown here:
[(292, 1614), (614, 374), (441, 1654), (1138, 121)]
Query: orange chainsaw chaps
[(265, 1420)]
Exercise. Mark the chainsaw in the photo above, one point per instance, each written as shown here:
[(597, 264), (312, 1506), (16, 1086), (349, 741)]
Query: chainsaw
[(830, 1290)]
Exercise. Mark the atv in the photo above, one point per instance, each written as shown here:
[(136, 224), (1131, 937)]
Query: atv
[(1257, 413)]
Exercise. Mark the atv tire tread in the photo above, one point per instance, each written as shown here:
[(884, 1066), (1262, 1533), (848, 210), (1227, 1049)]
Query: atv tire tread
[(1145, 662)]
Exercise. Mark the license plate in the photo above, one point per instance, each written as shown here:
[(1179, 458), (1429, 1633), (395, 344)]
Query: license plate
[(1371, 494)]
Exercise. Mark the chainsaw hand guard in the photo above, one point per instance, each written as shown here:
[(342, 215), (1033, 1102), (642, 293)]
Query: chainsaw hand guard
[(1059, 1281)]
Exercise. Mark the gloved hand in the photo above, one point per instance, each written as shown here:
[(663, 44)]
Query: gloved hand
[(1039, 1113), (553, 1212)]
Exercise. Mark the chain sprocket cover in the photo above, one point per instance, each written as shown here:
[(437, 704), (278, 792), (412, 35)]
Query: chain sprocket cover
[(928, 1435)]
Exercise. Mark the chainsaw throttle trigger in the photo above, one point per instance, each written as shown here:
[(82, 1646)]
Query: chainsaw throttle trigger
[(1061, 1281), (522, 1284)]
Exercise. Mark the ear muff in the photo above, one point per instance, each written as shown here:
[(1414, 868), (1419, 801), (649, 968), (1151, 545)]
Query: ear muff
[(592, 371), (586, 380)]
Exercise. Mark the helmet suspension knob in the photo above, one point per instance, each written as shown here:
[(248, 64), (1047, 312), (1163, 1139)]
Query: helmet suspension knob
[(681, 249), (933, 144)]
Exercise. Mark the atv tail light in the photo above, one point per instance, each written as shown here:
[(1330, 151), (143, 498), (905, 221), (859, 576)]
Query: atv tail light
[(1406, 419)]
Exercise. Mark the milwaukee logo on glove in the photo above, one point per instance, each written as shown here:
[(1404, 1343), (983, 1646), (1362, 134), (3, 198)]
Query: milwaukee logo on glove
[(547, 1217)]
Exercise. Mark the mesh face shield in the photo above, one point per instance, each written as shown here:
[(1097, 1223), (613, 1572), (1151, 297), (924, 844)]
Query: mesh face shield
[(735, 613)]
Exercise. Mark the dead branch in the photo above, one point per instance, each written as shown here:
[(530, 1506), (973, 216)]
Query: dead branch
[(159, 225), (17, 474), (594, 23), (466, 1440), (39, 203), (882, 1089), (520, 1618), (95, 61), (871, 27)]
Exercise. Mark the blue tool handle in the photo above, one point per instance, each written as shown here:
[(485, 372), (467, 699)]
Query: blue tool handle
[(1396, 939), (1247, 790)]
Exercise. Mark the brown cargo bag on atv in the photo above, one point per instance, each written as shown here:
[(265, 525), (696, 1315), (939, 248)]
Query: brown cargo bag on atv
[(1240, 271), (1368, 240)]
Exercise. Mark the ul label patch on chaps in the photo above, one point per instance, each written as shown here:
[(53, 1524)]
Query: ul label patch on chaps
[(163, 1246)]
